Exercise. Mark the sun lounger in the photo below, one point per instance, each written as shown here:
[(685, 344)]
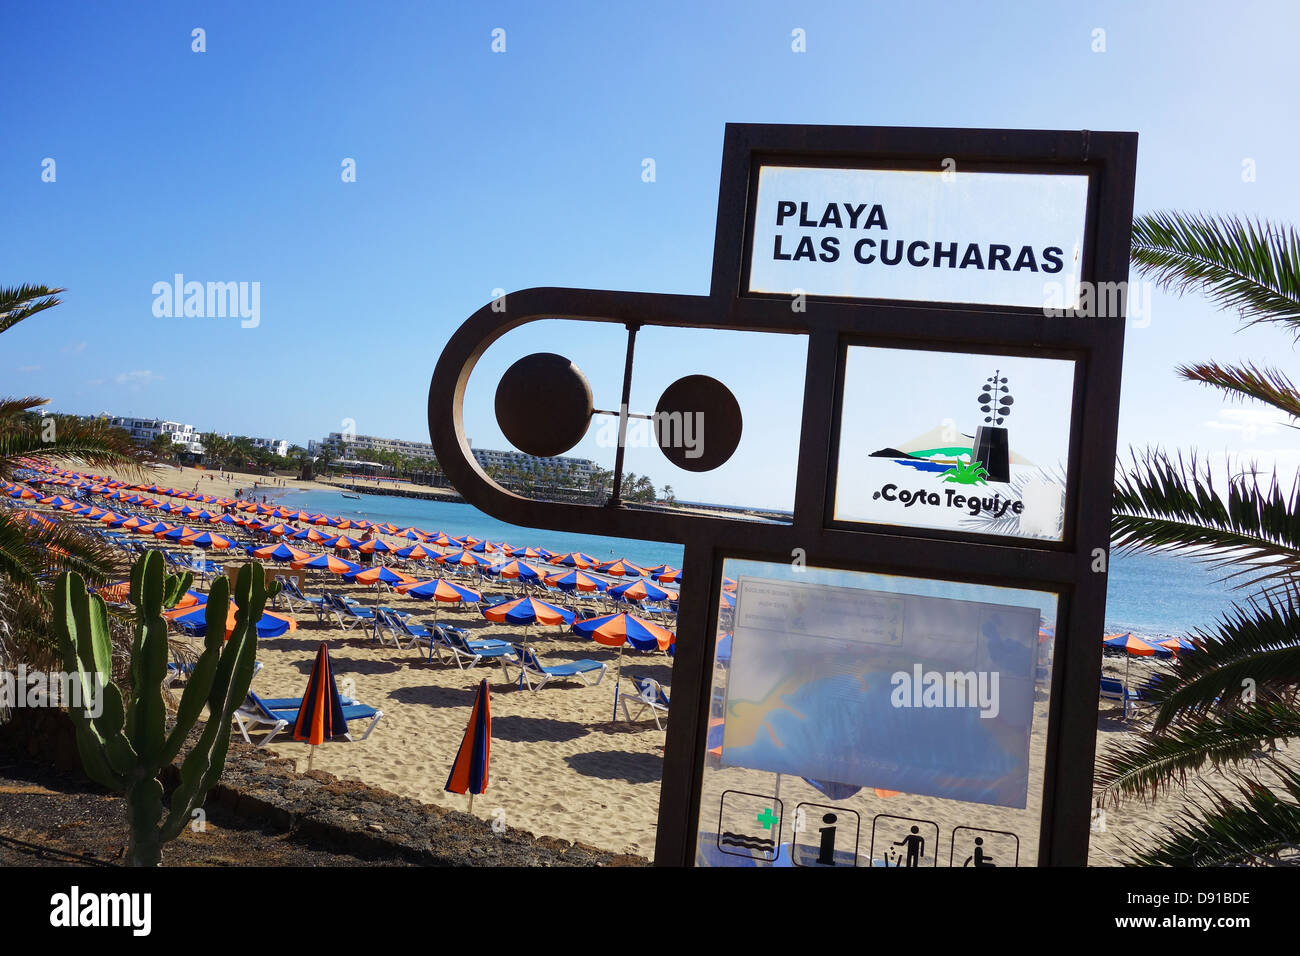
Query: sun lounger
[(1113, 689), (532, 669), (293, 594), (646, 693), (462, 649), (279, 713), (346, 614)]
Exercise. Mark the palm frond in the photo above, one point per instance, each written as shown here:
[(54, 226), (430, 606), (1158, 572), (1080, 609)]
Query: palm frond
[(1162, 504), (94, 443), (1257, 826), (1266, 385), (1242, 264), (1155, 762), (24, 301)]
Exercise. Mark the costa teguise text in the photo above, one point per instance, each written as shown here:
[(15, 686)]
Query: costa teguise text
[(995, 507)]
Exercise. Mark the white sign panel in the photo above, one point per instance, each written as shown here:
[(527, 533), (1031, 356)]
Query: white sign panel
[(923, 695), (1011, 239), (955, 441)]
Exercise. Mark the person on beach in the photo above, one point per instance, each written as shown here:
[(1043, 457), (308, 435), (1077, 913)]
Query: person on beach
[(365, 557)]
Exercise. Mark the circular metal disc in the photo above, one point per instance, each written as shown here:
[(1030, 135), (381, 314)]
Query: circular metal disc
[(543, 404), (697, 423)]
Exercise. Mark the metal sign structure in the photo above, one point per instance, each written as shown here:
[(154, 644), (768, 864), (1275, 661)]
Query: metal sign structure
[(752, 291)]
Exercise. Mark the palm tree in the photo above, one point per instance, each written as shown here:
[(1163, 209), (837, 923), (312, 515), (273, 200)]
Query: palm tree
[(1239, 689), (33, 556)]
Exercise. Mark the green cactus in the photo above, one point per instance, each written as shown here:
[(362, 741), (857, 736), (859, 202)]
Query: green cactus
[(126, 745)]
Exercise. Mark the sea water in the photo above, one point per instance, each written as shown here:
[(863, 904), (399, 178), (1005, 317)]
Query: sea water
[(1149, 594)]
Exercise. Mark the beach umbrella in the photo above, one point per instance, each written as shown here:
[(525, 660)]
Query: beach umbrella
[(412, 535), (194, 618), (327, 562), (481, 547), (1132, 646), (528, 553), (469, 771), (640, 590), (279, 529), (527, 611), (574, 559), (373, 546), (667, 575), (513, 570), (342, 542), (320, 716), (209, 540), (622, 630), (440, 589), (1178, 645), (438, 539), (620, 568), (280, 552), (414, 552), (464, 558), (575, 581), (380, 575)]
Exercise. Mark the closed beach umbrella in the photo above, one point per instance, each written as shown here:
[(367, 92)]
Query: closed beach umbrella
[(469, 771), (320, 716)]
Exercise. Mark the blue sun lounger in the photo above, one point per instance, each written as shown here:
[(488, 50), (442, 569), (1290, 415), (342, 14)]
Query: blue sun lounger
[(278, 713), (532, 669)]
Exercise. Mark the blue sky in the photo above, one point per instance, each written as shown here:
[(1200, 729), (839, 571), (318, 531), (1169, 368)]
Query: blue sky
[(479, 170)]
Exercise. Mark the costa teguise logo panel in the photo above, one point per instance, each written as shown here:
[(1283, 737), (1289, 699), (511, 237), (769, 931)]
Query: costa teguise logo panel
[(966, 474)]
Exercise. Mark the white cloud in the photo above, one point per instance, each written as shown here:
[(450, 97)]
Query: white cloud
[(1251, 423), (137, 380)]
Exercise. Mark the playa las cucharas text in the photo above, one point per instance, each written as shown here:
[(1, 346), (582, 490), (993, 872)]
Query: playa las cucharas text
[(974, 505)]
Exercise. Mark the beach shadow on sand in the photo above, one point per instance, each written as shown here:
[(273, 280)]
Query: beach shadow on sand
[(618, 765), (349, 665), (519, 729), (431, 695)]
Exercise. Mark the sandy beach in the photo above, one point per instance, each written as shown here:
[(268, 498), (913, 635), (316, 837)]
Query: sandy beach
[(560, 764)]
